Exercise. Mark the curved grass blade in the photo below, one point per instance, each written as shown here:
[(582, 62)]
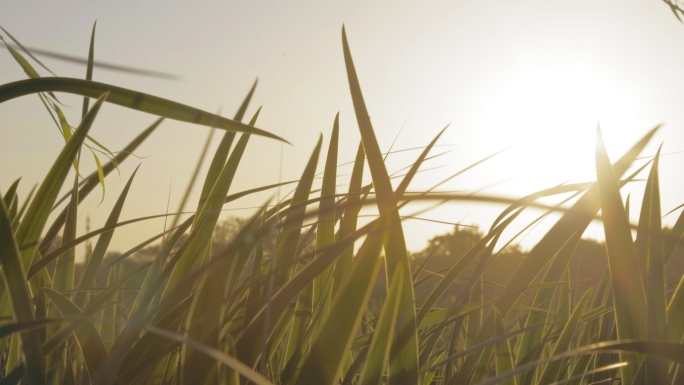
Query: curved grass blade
[(26, 51), (13, 270), (404, 352), (36, 216), (89, 183), (93, 349), (218, 355), (661, 349), (93, 264), (194, 253), (129, 99), (576, 218)]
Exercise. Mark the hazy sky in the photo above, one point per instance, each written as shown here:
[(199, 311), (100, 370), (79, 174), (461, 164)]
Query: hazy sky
[(535, 75)]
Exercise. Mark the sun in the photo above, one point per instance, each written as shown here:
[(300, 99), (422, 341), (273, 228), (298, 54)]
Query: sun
[(547, 112)]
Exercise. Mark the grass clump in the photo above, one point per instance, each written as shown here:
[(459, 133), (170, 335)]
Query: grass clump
[(287, 299)]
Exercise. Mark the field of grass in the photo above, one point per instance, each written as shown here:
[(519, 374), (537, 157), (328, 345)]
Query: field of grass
[(287, 300)]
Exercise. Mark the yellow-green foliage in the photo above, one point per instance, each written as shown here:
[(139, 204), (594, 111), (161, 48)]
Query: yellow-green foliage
[(266, 307)]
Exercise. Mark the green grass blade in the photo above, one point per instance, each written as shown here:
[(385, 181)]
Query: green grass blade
[(93, 349), (325, 232), (63, 278), (578, 217), (504, 355), (551, 371), (287, 244), (36, 216), (265, 322), (629, 294), (91, 181), (404, 353), (10, 195), (89, 68), (334, 336), (649, 249), (193, 255), (382, 336), (13, 270), (129, 99), (350, 217), (93, 264), (27, 51), (218, 355)]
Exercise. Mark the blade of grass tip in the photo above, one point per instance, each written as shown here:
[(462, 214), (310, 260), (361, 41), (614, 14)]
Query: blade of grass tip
[(382, 336), (102, 244), (37, 213), (578, 217), (325, 233), (27, 51), (404, 352), (401, 189), (91, 181), (193, 257), (129, 99), (25, 65), (221, 154), (193, 178), (350, 216), (13, 271), (395, 139), (543, 297), (287, 244), (93, 349), (629, 294), (334, 336), (649, 248), (10, 195), (20, 214), (89, 69)]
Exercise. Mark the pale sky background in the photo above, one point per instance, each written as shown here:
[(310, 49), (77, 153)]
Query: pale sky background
[(536, 75)]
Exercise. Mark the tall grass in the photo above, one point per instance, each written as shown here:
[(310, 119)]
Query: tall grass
[(287, 300)]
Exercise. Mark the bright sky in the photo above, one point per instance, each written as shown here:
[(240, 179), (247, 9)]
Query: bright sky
[(534, 75)]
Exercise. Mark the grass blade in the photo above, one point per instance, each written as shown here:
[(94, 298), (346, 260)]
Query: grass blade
[(404, 353), (36, 216), (13, 270), (129, 99), (384, 330)]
